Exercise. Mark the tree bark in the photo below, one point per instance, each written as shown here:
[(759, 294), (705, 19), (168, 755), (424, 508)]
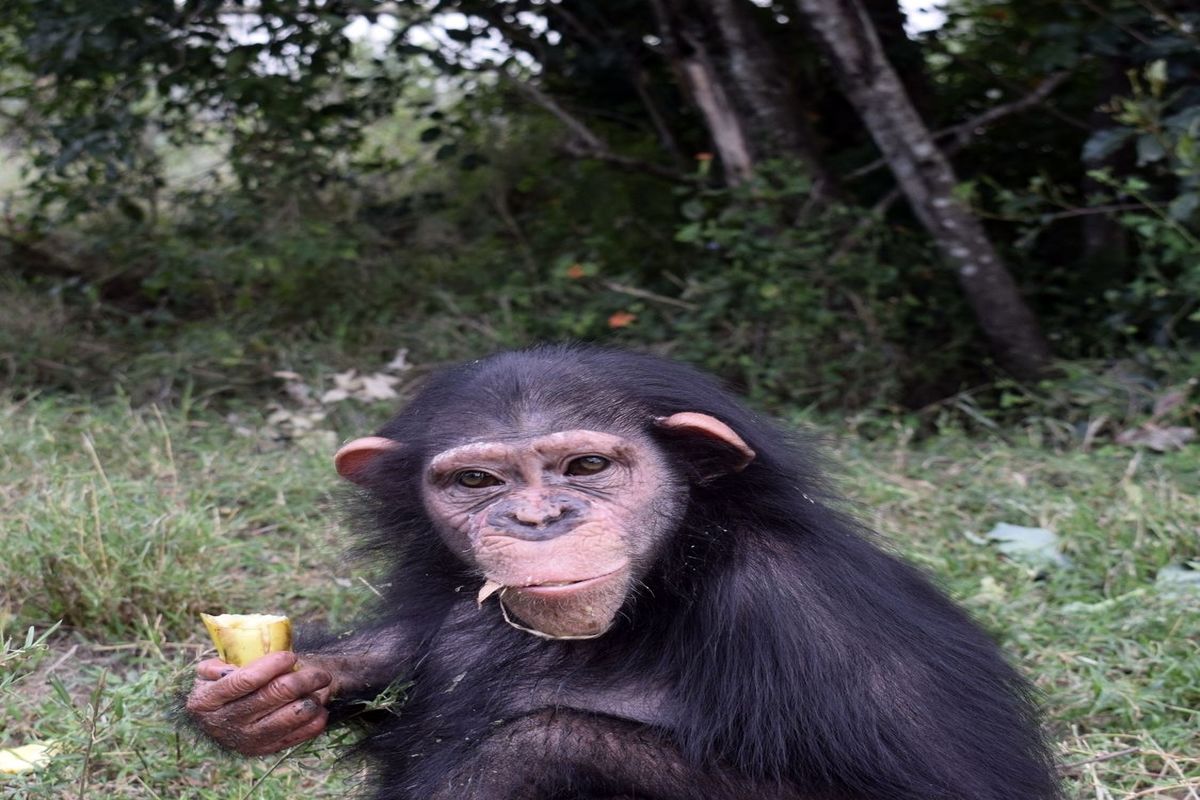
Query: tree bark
[(905, 55), (760, 83), (927, 180), (685, 46)]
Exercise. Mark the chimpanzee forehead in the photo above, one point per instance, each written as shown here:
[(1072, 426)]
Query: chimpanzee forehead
[(532, 424), (525, 399), (553, 388)]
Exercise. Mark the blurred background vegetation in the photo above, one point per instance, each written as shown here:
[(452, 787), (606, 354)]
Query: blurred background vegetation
[(234, 233), (195, 190)]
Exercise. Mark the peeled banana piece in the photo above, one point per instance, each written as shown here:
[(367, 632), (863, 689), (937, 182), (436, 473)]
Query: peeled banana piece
[(14, 760), (242, 638)]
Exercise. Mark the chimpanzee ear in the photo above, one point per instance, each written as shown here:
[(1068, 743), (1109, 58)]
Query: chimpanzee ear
[(355, 457), (708, 427)]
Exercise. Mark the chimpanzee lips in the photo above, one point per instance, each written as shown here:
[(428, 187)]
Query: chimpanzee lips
[(566, 588), (554, 607)]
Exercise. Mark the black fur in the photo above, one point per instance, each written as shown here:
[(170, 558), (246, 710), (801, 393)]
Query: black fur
[(790, 657)]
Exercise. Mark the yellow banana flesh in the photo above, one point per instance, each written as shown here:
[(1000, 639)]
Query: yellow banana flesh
[(14, 760), (242, 638)]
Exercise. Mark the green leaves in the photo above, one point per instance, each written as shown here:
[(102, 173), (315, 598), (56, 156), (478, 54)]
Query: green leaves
[(278, 89), (1103, 143)]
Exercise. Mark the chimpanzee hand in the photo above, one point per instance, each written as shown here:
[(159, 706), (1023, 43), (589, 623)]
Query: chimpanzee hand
[(263, 707)]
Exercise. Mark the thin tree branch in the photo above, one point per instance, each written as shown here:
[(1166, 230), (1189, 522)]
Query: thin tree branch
[(576, 126), (983, 71), (500, 201), (963, 132), (1116, 23), (586, 143), (630, 164), (864, 224), (1169, 19), (644, 294)]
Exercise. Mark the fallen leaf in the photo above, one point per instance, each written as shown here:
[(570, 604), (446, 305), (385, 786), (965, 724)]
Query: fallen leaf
[(399, 362), (1036, 545), (1168, 402), (621, 319), (300, 392), (1156, 438), (1179, 577), (279, 416), (347, 380), (378, 387), (335, 396)]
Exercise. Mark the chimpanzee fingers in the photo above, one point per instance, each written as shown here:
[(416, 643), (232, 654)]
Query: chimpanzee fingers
[(233, 683), (294, 723), (314, 728), (213, 669), (280, 692)]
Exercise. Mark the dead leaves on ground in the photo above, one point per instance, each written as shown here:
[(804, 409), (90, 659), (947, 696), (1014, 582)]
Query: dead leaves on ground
[(303, 414)]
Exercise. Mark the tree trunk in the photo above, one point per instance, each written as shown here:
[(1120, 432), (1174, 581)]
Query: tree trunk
[(906, 56), (927, 180), (684, 43), (761, 85)]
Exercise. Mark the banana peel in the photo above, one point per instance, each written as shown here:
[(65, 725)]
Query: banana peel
[(243, 638), (15, 760)]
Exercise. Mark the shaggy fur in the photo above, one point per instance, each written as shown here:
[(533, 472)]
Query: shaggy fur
[(774, 651)]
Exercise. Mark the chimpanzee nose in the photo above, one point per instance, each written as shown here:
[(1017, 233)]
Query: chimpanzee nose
[(539, 513), (540, 518)]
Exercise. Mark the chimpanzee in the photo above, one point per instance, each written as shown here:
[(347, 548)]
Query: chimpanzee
[(610, 579)]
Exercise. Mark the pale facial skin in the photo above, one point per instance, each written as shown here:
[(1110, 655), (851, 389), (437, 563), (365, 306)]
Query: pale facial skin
[(565, 521)]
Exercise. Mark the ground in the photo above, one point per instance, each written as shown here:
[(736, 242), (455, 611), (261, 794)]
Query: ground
[(125, 523)]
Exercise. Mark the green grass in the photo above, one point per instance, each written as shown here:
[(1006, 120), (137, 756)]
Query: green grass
[(125, 523)]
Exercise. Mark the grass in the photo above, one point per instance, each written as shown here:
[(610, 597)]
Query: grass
[(125, 522)]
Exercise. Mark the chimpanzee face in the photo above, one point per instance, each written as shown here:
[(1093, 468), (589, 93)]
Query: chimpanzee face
[(563, 523)]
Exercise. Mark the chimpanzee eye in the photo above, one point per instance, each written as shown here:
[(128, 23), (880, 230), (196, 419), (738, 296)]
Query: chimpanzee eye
[(476, 479), (587, 465)]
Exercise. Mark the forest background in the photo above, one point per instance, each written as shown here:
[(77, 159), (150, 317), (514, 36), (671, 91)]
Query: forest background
[(964, 239)]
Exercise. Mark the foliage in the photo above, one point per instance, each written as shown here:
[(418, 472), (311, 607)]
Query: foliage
[(216, 188), (798, 305), (1111, 225), (103, 85), (121, 523), (1164, 215)]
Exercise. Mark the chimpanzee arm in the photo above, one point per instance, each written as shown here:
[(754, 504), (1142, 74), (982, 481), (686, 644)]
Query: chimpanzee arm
[(362, 661), (283, 699), (567, 753)]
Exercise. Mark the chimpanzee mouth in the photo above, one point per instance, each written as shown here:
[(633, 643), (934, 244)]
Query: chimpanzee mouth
[(563, 588)]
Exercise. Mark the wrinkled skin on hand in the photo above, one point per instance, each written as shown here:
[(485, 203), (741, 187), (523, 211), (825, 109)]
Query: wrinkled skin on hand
[(261, 708)]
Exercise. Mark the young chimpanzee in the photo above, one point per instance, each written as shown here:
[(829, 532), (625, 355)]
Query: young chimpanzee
[(609, 579)]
